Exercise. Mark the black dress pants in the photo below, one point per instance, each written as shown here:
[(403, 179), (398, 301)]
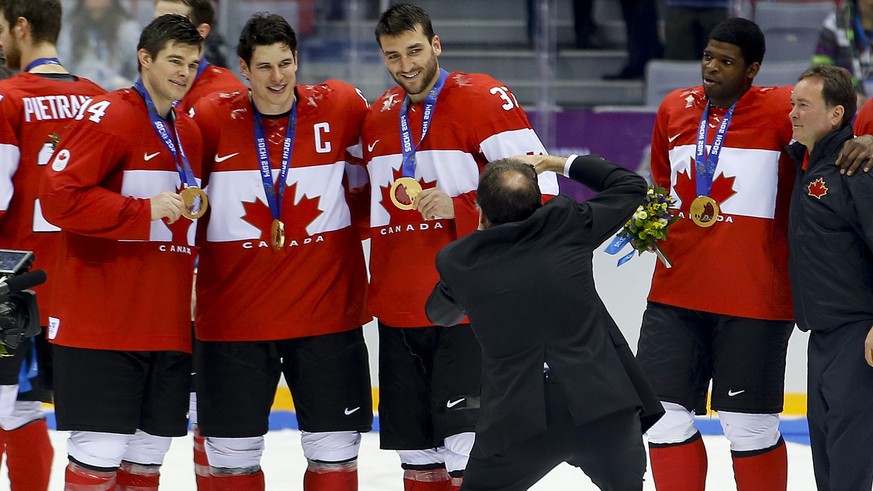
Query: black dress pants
[(609, 450)]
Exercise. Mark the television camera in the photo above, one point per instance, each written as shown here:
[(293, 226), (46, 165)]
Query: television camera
[(19, 315)]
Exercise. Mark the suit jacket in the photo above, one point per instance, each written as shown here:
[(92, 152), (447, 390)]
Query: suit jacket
[(528, 289)]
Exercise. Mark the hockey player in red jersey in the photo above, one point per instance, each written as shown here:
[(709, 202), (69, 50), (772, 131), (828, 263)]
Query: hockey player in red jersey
[(723, 312), (118, 186), (209, 78), (281, 281), (35, 108), (426, 141)]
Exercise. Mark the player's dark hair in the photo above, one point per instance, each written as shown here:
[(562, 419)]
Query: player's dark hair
[(44, 17), (202, 11), (508, 191), (264, 29), (837, 89), (743, 33), (401, 18), (165, 30)]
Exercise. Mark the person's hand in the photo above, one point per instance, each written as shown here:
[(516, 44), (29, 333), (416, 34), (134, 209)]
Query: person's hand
[(543, 163), (868, 347), (432, 203), (167, 205), (855, 153)]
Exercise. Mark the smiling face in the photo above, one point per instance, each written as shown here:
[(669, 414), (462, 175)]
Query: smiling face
[(811, 117), (272, 74), (412, 61), (726, 76), (169, 74)]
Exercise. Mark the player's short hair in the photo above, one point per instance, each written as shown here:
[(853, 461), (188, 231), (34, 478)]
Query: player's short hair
[(401, 18), (508, 191), (165, 30), (202, 11), (837, 89), (44, 17), (265, 29), (743, 33)]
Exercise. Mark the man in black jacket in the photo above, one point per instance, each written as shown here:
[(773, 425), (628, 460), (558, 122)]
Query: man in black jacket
[(831, 270), (559, 382)]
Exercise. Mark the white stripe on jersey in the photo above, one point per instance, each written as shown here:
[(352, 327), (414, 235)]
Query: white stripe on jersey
[(147, 184), (9, 157), (454, 170), (40, 224), (228, 190), (520, 142), (755, 171), (356, 150)]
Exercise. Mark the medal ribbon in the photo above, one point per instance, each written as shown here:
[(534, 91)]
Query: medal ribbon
[(41, 61), (186, 175), (274, 198), (408, 165), (705, 165)]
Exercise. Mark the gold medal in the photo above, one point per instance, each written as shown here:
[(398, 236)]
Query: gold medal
[(195, 202), (704, 211), (404, 191), (277, 232)]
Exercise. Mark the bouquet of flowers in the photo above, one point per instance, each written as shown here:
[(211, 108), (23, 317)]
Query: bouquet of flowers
[(647, 226)]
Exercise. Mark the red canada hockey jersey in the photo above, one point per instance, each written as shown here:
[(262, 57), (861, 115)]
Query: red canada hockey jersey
[(35, 111), (213, 79), (124, 281), (476, 120), (739, 265), (316, 284), (863, 124)]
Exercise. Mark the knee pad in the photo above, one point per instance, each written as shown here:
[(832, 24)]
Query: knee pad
[(676, 426), (23, 412), (147, 449), (750, 431), (97, 450), (427, 457), (229, 454), (330, 446), (458, 449)]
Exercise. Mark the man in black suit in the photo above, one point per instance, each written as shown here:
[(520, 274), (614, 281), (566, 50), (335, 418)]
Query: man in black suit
[(559, 382)]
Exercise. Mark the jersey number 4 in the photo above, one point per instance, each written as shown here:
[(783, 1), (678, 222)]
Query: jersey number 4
[(97, 110)]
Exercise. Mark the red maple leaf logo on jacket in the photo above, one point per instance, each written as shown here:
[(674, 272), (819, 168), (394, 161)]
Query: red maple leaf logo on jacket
[(686, 187), (817, 188), (296, 217), (398, 215)]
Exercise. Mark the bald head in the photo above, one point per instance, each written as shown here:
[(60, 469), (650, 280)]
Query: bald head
[(508, 192)]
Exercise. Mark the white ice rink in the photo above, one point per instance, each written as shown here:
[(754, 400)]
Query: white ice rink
[(379, 470)]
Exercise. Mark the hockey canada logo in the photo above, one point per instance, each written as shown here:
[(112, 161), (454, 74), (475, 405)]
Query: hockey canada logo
[(817, 188), (389, 102)]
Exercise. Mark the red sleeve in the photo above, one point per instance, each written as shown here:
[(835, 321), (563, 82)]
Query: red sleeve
[(660, 153), (81, 189), (10, 152), (864, 121)]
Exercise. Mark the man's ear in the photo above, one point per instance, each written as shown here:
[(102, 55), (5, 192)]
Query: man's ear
[(204, 29), (145, 59), (483, 220)]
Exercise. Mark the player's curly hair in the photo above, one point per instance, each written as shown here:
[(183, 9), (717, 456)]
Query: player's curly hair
[(401, 18), (743, 33)]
